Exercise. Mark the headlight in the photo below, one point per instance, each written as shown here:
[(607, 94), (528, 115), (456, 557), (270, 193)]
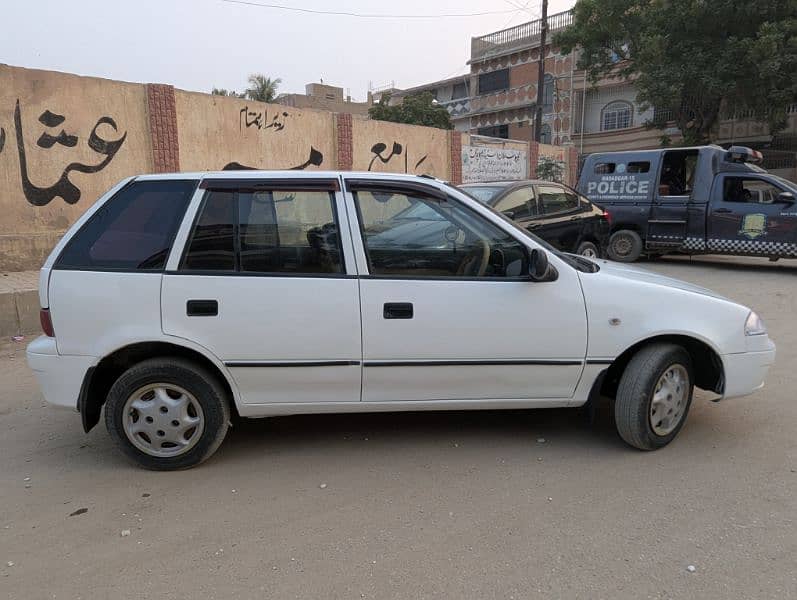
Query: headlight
[(754, 325)]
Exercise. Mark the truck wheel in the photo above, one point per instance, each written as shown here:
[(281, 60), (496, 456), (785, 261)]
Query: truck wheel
[(625, 246), (654, 396), (167, 414), (588, 249)]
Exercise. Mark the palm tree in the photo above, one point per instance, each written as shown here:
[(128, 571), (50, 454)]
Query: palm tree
[(262, 88)]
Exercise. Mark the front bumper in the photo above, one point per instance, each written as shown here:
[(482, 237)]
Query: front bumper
[(745, 371), (60, 377)]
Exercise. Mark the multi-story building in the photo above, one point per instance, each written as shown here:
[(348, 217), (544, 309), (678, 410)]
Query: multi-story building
[(452, 93), (593, 117)]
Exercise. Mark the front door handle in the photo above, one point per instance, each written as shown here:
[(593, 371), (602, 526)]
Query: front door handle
[(202, 308), (398, 310), (722, 211)]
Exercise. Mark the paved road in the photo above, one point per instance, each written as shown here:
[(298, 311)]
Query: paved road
[(445, 505)]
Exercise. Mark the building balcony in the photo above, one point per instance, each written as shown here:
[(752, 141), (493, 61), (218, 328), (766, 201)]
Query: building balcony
[(516, 38)]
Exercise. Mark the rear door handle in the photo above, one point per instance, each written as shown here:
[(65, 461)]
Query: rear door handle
[(398, 310), (722, 211), (202, 308)]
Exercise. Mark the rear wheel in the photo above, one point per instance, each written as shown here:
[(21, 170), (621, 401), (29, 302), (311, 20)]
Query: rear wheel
[(588, 249), (654, 396), (625, 246), (167, 413)]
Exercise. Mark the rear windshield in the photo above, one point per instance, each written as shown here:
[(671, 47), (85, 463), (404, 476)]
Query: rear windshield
[(134, 230), (483, 193)]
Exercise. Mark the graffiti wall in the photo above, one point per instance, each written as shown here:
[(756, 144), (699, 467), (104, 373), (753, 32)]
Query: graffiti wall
[(396, 148), (64, 140), (217, 132)]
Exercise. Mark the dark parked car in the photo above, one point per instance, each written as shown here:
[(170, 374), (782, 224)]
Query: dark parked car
[(556, 213)]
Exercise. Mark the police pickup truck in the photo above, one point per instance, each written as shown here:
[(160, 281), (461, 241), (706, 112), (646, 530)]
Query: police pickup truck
[(692, 200)]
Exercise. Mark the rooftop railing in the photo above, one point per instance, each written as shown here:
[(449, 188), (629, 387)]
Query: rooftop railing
[(520, 36)]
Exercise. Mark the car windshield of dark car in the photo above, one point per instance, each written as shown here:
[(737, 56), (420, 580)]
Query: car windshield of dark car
[(483, 193)]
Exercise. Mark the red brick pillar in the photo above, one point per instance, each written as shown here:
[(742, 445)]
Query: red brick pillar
[(344, 141), (572, 166), (455, 145), (163, 128), (534, 158)]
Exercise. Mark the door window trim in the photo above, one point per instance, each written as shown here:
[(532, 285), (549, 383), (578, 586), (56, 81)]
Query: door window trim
[(411, 187)]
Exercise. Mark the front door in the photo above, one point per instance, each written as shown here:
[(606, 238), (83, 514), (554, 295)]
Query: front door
[(448, 311), (746, 216), (263, 284)]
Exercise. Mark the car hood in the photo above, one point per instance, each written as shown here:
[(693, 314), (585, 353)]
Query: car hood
[(642, 275)]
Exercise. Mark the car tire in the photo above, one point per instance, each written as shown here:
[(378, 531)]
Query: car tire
[(588, 249), (625, 246), (654, 396), (167, 414)]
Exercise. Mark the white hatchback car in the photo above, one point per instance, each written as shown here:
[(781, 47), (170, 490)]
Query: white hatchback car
[(177, 299)]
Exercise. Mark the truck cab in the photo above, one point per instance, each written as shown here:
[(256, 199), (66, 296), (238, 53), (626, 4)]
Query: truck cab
[(692, 200)]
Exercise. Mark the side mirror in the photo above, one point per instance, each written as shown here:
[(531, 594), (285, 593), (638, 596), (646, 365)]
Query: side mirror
[(786, 198), (539, 267)]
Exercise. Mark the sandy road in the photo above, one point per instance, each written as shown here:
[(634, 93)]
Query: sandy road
[(446, 505)]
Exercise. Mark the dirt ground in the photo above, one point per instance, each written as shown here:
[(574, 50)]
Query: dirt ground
[(520, 504)]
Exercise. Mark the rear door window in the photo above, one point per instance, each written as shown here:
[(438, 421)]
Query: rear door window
[(555, 199), (133, 231), (266, 231), (518, 204)]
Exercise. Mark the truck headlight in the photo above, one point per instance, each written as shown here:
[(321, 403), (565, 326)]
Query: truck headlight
[(754, 325)]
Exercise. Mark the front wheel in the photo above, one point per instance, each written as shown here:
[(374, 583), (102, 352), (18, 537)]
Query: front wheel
[(654, 396), (625, 246), (167, 414)]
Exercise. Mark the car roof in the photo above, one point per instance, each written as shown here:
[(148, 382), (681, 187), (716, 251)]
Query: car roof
[(291, 174), (508, 183)]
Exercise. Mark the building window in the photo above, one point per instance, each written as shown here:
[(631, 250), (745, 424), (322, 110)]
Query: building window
[(547, 93), (494, 81), (460, 91), (616, 115), (497, 131), (545, 134)]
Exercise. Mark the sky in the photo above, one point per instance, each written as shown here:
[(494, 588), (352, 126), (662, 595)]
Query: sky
[(199, 44)]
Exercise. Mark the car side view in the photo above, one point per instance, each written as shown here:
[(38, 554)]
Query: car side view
[(177, 300), (552, 211)]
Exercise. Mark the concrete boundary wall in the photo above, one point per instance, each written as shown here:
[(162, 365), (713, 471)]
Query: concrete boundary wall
[(65, 139)]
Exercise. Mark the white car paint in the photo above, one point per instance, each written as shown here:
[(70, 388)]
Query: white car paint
[(565, 332)]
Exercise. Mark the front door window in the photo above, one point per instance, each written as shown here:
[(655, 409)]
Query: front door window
[(415, 236)]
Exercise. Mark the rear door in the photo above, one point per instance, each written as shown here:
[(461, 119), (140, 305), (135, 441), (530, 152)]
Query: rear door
[(266, 283), (747, 217), (559, 222)]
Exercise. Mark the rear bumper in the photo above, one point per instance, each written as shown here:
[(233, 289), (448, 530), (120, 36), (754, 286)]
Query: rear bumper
[(745, 372), (60, 377)]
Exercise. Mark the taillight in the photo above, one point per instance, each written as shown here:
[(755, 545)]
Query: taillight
[(607, 216), (46, 322)]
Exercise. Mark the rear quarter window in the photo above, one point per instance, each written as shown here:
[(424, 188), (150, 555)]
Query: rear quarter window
[(134, 230)]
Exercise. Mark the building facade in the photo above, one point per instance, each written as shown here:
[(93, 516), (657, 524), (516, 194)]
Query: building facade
[(320, 96), (452, 93)]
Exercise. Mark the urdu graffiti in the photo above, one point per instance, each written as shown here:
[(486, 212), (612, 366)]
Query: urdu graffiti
[(63, 188), (379, 148), (316, 159), (260, 119)]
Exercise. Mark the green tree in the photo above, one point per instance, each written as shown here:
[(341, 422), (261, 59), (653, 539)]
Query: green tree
[(416, 109), (693, 57), (222, 92), (262, 88), (550, 169)]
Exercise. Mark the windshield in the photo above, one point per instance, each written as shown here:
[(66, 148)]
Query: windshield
[(789, 184), (483, 193)]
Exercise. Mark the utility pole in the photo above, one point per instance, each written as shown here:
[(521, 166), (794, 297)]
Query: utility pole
[(541, 74)]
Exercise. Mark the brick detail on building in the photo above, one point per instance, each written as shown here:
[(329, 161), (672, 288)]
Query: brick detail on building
[(456, 157), (344, 141), (572, 165), (534, 158), (163, 128)]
